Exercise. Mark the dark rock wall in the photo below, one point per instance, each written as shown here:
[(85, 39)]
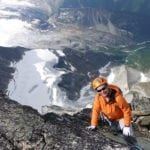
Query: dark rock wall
[(86, 66), (8, 56)]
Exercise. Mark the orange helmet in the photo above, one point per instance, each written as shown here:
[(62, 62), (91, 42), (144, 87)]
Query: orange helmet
[(98, 82)]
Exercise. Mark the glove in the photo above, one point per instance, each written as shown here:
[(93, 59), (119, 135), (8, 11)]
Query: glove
[(91, 128), (126, 131)]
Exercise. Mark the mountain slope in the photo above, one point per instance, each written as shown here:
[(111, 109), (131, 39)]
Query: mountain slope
[(24, 128)]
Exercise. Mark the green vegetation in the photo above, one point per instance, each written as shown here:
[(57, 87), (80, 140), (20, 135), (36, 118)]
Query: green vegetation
[(139, 58), (135, 56)]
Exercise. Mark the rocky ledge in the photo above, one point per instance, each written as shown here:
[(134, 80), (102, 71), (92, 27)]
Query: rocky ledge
[(22, 127)]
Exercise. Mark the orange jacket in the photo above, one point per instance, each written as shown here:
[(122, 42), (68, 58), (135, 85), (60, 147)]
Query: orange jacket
[(115, 110)]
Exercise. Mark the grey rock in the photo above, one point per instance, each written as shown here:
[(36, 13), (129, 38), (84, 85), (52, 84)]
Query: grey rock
[(22, 127)]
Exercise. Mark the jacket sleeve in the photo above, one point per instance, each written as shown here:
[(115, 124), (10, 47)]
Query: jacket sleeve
[(95, 111), (124, 106)]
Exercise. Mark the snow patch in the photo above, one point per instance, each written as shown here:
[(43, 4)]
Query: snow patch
[(111, 77), (143, 77), (104, 70), (16, 3), (10, 28), (5, 13)]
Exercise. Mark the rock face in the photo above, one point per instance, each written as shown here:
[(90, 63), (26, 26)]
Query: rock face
[(141, 113), (22, 127), (135, 87)]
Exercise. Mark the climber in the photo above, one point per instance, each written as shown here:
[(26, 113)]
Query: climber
[(110, 104)]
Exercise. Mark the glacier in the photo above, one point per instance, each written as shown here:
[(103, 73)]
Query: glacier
[(34, 84)]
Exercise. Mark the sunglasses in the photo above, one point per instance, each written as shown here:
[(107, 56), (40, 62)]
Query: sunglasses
[(102, 89)]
